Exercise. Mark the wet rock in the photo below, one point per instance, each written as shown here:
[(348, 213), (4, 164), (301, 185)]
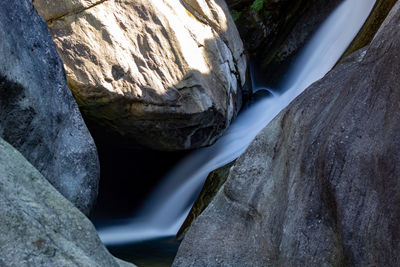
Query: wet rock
[(319, 186), (213, 183), (38, 114), (371, 26), (277, 31), (162, 74), (39, 227)]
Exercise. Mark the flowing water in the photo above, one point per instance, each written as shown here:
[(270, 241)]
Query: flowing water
[(166, 209)]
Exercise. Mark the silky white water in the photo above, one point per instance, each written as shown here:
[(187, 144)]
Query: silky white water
[(166, 209)]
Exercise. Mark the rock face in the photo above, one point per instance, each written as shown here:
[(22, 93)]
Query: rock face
[(277, 30), (38, 114), (164, 74), (320, 184), (38, 226)]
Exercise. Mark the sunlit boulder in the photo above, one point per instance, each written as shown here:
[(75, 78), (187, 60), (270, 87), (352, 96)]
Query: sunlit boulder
[(164, 74)]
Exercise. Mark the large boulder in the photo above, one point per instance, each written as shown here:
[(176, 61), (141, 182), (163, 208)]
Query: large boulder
[(38, 114), (164, 74), (38, 226), (319, 186)]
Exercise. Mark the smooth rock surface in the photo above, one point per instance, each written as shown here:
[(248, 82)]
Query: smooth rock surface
[(38, 114), (38, 226), (165, 74), (320, 184)]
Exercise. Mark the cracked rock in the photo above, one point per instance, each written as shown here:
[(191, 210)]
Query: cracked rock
[(163, 74)]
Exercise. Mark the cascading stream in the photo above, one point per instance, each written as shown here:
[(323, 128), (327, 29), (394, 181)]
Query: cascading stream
[(166, 209)]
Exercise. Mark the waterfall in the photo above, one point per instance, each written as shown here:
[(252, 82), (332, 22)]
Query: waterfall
[(166, 209)]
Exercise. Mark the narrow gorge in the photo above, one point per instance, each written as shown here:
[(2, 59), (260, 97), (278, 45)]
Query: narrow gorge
[(199, 133)]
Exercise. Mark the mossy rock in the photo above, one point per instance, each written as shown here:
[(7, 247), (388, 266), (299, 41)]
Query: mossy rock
[(213, 183), (371, 26)]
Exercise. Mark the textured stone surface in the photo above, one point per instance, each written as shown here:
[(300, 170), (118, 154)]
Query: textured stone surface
[(52, 10), (38, 226), (165, 74), (319, 186), (38, 114)]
